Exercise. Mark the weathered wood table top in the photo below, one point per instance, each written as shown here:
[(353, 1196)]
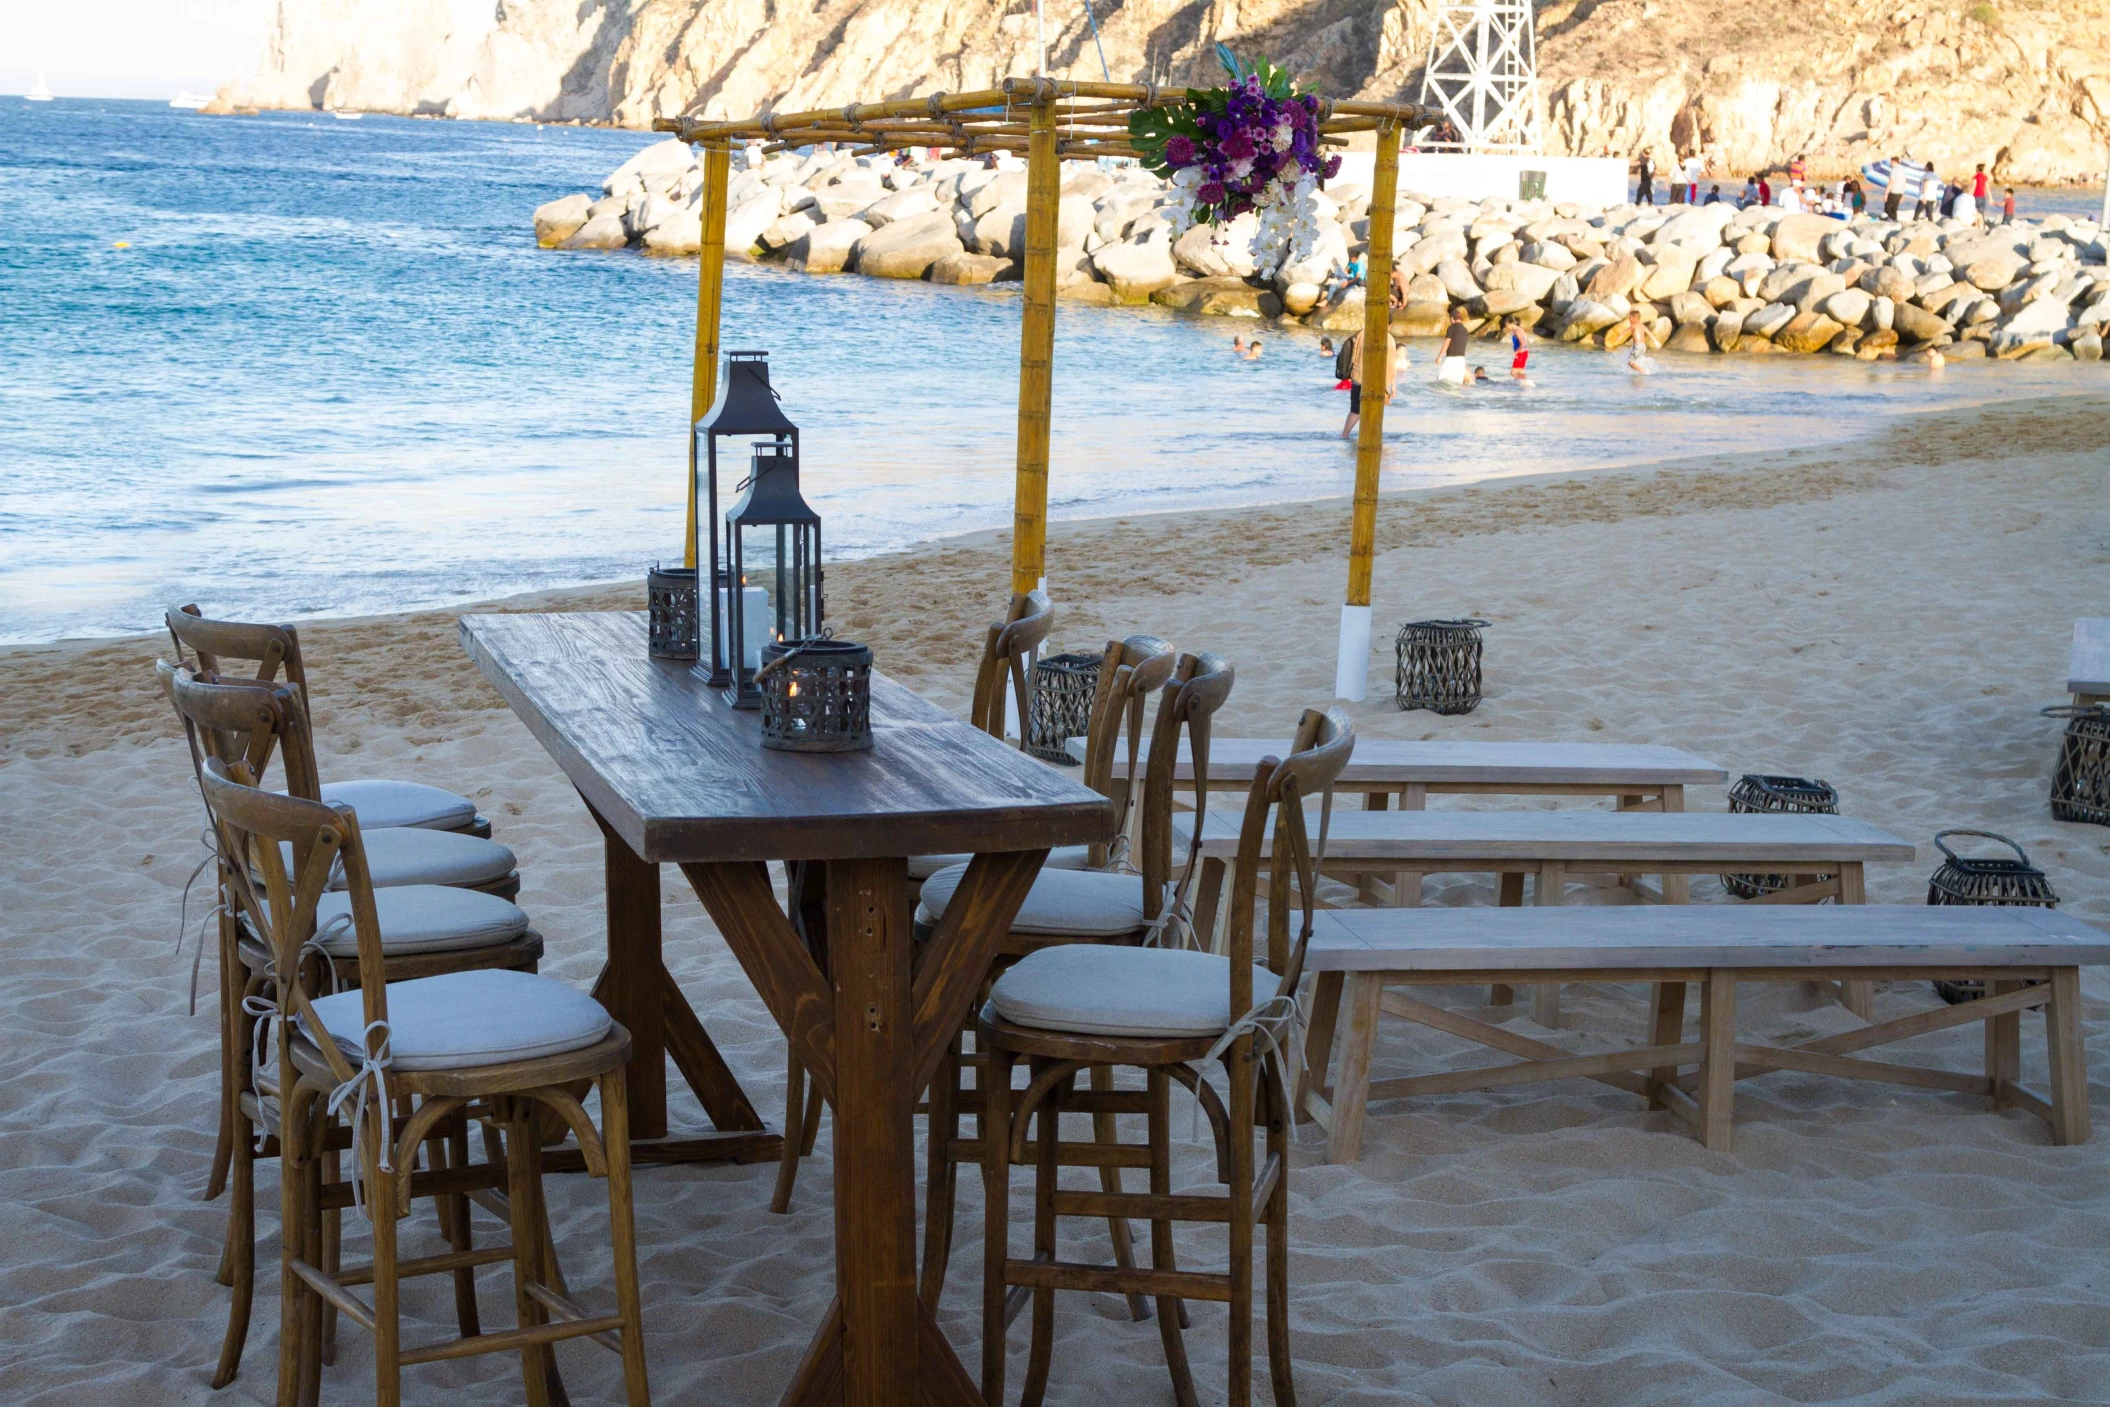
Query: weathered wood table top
[(1393, 763), (1580, 836), (675, 774), (2088, 669)]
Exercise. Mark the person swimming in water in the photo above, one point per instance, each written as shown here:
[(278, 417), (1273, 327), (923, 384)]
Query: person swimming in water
[(1252, 351), (1238, 344)]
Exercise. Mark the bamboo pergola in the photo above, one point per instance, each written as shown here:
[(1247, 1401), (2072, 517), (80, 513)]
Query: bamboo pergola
[(1052, 121)]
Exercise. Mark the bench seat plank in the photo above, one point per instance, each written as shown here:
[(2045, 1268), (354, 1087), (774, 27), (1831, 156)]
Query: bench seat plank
[(2088, 669), (1744, 937), (1393, 762), (1578, 836)]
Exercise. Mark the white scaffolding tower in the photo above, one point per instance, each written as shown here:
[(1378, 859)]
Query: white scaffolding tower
[(1483, 72)]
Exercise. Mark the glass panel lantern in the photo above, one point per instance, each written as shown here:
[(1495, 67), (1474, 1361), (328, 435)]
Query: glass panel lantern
[(746, 407), (773, 540)]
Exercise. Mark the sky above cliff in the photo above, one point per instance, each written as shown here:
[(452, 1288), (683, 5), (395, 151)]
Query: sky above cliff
[(130, 48)]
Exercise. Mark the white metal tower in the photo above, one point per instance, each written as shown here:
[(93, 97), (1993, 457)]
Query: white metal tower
[(1483, 72)]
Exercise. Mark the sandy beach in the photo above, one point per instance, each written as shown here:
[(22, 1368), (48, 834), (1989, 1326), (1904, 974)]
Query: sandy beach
[(1887, 614)]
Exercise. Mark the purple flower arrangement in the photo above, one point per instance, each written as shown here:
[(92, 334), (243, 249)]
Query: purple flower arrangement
[(1252, 147)]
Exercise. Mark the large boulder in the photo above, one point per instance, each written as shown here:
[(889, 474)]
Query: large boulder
[(671, 228), (1187, 295), (1457, 280), (1848, 307), (916, 200), (603, 231), (1242, 301), (1135, 271), (1727, 330), (1809, 331), (1721, 291), (653, 169), (1433, 250), (999, 230), (1885, 281), (1688, 308), (966, 268), (1421, 320), (1671, 275), (1915, 324), (1007, 188), (1584, 317), (786, 230), (907, 248), (1689, 337), (1797, 237), (1809, 292), (560, 219), (1768, 320), (1501, 304), (1697, 227), (825, 249), (746, 222), (1535, 281), (1209, 252), (848, 198), (1615, 279)]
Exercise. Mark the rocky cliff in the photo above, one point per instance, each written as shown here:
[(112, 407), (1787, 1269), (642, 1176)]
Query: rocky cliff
[(2023, 85)]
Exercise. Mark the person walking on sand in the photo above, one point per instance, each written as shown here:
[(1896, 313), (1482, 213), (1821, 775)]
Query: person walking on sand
[(1393, 359), (1640, 338), (1450, 365), (1894, 188), (1646, 195)]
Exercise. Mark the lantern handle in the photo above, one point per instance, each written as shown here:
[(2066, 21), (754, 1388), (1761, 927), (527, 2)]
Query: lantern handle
[(773, 665), (1941, 836)]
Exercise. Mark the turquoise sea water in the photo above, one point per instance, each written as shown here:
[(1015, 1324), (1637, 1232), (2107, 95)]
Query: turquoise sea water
[(332, 374)]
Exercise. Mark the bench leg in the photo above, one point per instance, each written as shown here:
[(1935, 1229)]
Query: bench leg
[(1546, 997), (1318, 1038), (1668, 1029), (1510, 897), (1860, 996), (1677, 888), (2003, 1046), (1352, 1091), (2069, 1065), (1718, 1065)]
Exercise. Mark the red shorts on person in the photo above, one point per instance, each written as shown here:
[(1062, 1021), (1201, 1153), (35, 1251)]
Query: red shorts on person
[(1518, 363)]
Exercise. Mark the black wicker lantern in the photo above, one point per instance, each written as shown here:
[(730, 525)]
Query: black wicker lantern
[(816, 695), (773, 541), (1970, 879), (746, 407), (1438, 665), (2080, 785), (1064, 688), (1755, 792), (670, 614)]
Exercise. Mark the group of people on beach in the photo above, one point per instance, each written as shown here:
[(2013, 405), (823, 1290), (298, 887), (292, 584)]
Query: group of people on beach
[(1452, 369), (1931, 197)]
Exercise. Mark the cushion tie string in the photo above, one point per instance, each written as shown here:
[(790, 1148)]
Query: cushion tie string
[(369, 1083), (1277, 1027), (212, 853)]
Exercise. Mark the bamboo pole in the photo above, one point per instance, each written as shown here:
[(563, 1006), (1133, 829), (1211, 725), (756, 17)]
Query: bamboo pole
[(1352, 667), (1036, 354), (710, 289)]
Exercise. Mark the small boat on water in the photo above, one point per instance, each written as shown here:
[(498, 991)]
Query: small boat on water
[(347, 116), (39, 91), (190, 102)]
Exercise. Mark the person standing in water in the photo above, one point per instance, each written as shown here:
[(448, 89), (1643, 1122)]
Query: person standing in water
[(1639, 340), (1519, 350), (1393, 358), (1450, 365)]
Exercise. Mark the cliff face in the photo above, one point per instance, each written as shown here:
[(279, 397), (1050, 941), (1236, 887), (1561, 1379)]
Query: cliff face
[(2023, 85)]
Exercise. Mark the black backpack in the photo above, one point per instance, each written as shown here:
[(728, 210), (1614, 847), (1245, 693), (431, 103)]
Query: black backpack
[(1344, 361)]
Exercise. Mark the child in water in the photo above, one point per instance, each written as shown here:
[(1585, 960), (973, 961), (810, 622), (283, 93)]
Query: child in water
[(1519, 349), (1639, 341)]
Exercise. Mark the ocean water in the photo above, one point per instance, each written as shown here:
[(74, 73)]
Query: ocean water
[(288, 366)]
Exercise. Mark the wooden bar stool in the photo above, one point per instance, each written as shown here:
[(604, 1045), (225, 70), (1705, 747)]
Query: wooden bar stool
[(1007, 653), (495, 1046), (1163, 1010), (273, 649), (1124, 906), (1130, 671), (425, 929)]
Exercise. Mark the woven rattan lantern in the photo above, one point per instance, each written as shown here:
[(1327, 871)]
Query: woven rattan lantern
[(1758, 793), (2080, 785), (1064, 687), (1438, 665), (1970, 879), (816, 695), (670, 613)]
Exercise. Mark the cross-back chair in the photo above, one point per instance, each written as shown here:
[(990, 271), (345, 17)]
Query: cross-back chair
[(227, 648), (424, 929), (1007, 648), (1130, 671), (495, 1046), (1129, 905), (1166, 1011)]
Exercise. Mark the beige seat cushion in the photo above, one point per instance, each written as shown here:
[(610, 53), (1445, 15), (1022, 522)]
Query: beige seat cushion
[(422, 918), (460, 1020), (1065, 857), (1104, 991), (1062, 904), (398, 857), (383, 805)]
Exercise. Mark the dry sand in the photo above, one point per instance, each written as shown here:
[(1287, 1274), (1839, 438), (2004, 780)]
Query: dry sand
[(1887, 615)]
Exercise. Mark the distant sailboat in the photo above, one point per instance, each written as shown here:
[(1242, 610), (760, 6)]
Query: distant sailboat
[(40, 91)]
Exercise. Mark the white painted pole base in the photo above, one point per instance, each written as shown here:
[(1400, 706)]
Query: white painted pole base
[(1351, 675)]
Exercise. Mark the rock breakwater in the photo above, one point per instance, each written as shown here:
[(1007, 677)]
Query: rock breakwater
[(1709, 278)]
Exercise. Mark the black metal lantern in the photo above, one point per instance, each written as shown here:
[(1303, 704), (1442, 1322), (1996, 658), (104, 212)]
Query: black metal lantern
[(670, 599), (746, 406), (2080, 786), (773, 541)]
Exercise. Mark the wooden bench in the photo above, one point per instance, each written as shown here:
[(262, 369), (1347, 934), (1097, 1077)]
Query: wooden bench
[(1406, 845), (1358, 953), (2088, 668)]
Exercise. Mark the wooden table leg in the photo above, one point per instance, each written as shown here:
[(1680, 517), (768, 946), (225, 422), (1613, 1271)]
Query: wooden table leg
[(2069, 1061), (640, 993), (1718, 1064), (2003, 1046), (1546, 996), (1318, 1038), (1667, 1029), (1860, 996), (1351, 1093)]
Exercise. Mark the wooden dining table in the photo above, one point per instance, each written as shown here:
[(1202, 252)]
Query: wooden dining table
[(675, 775)]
